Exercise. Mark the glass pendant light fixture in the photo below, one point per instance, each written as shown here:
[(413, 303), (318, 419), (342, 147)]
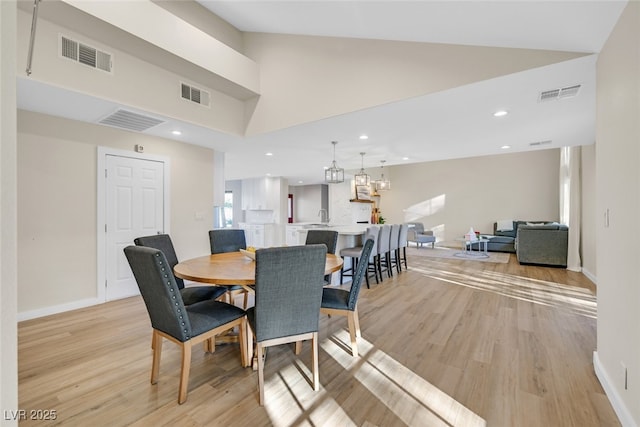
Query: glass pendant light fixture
[(361, 177), (334, 174), (382, 184)]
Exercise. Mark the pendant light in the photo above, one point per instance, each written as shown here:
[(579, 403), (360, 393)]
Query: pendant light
[(361, 177), (382, 184), (334, 174)]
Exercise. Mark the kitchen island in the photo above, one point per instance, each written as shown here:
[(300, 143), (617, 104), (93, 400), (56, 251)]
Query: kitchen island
[(349, 235)]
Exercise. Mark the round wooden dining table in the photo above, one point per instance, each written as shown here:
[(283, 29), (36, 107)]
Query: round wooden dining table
[(232, 268)]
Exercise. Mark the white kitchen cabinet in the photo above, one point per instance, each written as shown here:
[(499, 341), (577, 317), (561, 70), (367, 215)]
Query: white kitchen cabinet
[(259, 235), (260, 194), (293, 235)]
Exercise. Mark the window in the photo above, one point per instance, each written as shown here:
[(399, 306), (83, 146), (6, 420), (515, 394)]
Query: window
[(228, 209)]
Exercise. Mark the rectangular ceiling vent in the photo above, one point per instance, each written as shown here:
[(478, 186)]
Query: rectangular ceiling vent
[(128, 120), (85, 54), (538, 143), (194, 94), (555, 94)]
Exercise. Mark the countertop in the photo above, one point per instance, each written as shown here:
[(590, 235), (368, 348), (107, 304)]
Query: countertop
[(345, 230)]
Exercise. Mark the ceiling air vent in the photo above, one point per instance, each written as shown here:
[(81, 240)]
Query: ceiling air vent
[(128, 120), (555, 94), (538, 143), (85, 54), (192, 93)]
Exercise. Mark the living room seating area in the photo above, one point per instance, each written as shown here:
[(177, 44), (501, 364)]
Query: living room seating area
[(533, 242)]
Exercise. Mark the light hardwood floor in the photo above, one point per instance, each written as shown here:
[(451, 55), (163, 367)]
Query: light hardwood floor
[(448, 342)]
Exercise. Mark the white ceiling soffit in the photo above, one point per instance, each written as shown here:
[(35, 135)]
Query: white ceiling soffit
[(519, 24)]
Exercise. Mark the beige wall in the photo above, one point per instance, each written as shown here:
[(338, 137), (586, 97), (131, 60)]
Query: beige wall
[(8, 244), (160, 93), (452, 195), (57, 179), (618, 193), (305, 78)]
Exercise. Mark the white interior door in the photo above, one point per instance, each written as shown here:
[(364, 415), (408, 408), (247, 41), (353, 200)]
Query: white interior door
[(134, 207)]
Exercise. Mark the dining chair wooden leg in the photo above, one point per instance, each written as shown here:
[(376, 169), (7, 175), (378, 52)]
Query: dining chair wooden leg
[(242, 337), (352, 333), (250, 349), (259, 351), (356, 322), (314, 361), (210, 345), (245, 300), (157, 353), (184, 372)]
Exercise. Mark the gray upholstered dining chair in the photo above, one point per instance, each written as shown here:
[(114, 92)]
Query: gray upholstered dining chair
[(289, 283), (327, 237), (190, 294), (344, 303), (225, 240), (185, 325)]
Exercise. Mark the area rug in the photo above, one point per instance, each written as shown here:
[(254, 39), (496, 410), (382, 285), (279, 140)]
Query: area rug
[(459, 254)]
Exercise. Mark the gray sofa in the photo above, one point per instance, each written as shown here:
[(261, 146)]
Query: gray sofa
[(542, 244)]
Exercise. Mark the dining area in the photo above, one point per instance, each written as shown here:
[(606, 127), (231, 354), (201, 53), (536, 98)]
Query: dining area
[(248, 298)]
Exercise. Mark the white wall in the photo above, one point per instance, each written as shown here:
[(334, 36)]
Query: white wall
[(452, 195), (307, 202), (57, 179), (618, 195), (8, 239)]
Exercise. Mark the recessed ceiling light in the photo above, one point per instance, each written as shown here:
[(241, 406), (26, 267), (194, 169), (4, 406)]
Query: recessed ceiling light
[(500, 113), (176, 132), (300, 182), (505, 147), (364, 137), (405, 158), (268, 154), (268, 174)]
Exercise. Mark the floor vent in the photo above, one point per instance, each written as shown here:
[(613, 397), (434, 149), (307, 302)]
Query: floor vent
[(128, 120), (555, 94), (538, 143), (194, 94), (85, 54)]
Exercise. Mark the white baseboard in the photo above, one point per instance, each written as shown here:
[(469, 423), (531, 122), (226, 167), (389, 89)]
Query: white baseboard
[(614, 397), (589, 275), (46, 311)]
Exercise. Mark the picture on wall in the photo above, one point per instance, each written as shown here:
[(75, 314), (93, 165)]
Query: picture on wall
[(363, 192)]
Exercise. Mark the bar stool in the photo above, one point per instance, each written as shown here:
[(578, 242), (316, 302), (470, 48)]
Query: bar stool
[(354, 254), (394, 239), (402, 244), (383, 249)]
